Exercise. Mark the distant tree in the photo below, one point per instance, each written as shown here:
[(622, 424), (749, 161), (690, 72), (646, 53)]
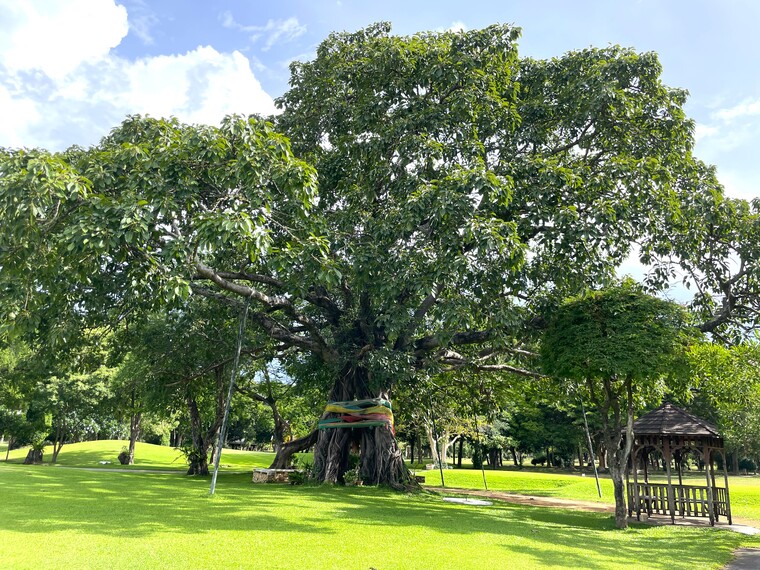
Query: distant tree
[(727, 392), (73, 399), (619, 344), (542, 429)]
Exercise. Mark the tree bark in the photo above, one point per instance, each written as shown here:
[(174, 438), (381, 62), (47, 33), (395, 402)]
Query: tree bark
[(197, 456), (134, 433), (380, 461), (618, 448), (33, 457), (285, 452), (202, 440), (60, 434)]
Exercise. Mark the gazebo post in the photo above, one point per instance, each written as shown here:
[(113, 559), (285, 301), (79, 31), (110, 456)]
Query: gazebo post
[(725, 479), (708, 463), (667, 457), (679, 465), (714, 486), (646, 460), (636, 498), (628, 492)]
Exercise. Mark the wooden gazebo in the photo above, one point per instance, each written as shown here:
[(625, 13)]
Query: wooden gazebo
[(675, 434)]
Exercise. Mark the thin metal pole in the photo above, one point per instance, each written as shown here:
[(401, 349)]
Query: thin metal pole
[(233, 375), (591, 447), (480, 450), (437, 443)]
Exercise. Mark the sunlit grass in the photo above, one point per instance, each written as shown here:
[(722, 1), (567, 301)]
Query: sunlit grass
[(744, 490), (147, 456), (96, 519)]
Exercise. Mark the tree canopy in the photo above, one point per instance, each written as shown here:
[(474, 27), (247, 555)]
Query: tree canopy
[(418, 206), (618, 344)]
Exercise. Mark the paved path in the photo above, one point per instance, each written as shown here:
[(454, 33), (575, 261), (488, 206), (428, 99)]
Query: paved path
[(744, 559), (530, 499)]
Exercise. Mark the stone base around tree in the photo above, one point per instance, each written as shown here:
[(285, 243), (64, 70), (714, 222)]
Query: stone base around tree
[(271, 475)]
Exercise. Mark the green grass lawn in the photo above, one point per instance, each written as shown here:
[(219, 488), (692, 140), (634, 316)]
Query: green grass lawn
[(744, 490), (147, 456), (66, 518)]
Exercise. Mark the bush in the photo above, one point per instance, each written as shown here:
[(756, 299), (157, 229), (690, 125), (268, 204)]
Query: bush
[(156, 432), (123, 457), (303, 471), (297, 477), (538, 460), (351, 477)]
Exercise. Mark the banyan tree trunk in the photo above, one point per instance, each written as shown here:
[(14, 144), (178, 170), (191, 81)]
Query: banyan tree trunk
[(33, 457), (285, 452), (197, 457), (380, 461)]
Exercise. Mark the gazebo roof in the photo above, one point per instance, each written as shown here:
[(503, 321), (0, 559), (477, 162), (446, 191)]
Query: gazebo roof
[(672, 420)]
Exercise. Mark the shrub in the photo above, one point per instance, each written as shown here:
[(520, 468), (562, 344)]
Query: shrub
[(123, 457), (303, 471), (351, 477)]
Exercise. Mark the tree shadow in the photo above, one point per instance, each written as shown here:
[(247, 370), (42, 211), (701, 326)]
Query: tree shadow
[(131, 505)]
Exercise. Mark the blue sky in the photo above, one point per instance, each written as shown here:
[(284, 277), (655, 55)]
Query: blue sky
[(72, 69)]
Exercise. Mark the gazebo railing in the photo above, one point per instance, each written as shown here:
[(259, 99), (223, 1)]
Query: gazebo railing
[(688, 500)]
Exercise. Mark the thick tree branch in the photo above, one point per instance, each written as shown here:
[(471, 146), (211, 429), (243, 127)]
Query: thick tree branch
[(318, 297), (428, 343), (427, 303), (505, 368), (274, 329), (271, 302)]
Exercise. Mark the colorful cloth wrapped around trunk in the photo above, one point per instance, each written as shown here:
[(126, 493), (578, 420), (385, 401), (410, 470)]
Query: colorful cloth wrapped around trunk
[(359, 413)]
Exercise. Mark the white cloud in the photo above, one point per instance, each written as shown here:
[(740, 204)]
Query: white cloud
[(15, 116), (200, 86), (56, 36), (54, 100), (741, 184), (747, 108), (273, 32), (728, 138), (702, 131)]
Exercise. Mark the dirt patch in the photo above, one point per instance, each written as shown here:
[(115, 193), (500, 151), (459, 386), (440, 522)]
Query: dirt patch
[(530, 499)]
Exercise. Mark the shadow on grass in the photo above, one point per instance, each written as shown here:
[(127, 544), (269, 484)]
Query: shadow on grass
[(43, 500)]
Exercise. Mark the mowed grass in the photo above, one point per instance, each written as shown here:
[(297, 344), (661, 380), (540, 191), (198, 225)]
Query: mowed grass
[(97, 519), (147, 456), (744, 490)]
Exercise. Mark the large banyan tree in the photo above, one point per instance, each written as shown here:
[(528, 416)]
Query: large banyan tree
[(414, 208)]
